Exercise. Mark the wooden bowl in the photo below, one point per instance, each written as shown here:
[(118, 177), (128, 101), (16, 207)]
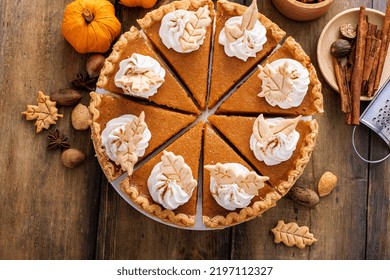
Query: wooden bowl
[(299, 11), (331, 32)]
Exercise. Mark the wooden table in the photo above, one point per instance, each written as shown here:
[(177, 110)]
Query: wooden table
[(51, 212)]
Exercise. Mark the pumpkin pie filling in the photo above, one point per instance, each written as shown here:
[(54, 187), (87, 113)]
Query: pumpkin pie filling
[(205, 151), (248, 92), (224, 76), (191, 67)]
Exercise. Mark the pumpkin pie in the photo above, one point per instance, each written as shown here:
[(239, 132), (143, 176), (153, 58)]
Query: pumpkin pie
[(136, 186), (238, 131), (110, 108), (223, 75), (170, 93), (246, 157), (181, 31), (217, 151), (245, 100)]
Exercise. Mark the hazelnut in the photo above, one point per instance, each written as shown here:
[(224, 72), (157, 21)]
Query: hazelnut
[(81, 118), (327, 183), (95, 63), (340, 48), (72, 157)]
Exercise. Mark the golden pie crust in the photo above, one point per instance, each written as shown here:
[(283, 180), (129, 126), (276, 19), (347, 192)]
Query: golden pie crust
[(227, 71), (170, 94), (191, 67), (215, 150), (245, 100), (104, 107), (135, 187), (238, 131), (233, 146)]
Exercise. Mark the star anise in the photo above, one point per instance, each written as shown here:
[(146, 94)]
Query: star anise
[(57, 140), (84, 82)]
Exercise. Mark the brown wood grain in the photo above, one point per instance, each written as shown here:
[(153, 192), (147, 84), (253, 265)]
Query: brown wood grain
[(50, 212), (47, 211)]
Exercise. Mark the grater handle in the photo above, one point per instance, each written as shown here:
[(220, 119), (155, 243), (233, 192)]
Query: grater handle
[(356, 151)]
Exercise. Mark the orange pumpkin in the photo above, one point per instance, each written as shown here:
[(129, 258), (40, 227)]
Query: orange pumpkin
[(138, 3), (90, 25)]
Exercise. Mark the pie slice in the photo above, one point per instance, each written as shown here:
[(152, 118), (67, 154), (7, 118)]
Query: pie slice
[(170, 93), (192, 67), (282, 176), (135, 187), (227, 71), (216, 150), (162, 124), (245, 99)]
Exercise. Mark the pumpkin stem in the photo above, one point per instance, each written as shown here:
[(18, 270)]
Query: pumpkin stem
[(88, 16)]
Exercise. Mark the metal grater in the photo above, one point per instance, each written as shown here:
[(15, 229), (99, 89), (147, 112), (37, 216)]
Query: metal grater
[(377, 117)]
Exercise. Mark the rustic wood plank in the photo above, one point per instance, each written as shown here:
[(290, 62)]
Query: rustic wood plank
[(124, 233), (332, 219), (378, 238), (48, 211)]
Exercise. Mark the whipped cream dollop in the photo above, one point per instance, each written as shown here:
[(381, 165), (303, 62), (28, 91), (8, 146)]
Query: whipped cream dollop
[(232, 185), (284, 83), (242, 43), (185, 31), (274, 140), (171, 183), (139, 75), (116, 142)]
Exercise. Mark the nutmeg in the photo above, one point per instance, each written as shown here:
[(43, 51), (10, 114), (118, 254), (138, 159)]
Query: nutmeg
[(81, 118), (340, 48), (348, 31), (72, 157), (95, 64), (65, 97)]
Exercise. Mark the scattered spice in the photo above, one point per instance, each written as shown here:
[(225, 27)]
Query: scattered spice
[(84, 82), (57, 140), (72, 157), (340, 48), (348, 31)]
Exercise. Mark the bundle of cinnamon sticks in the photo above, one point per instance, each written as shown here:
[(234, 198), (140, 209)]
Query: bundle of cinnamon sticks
[(362, 72)]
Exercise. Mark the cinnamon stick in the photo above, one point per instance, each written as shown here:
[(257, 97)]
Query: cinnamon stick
[(341, 82), (371, 50), (384, 47), (357, 73), (371, 80)]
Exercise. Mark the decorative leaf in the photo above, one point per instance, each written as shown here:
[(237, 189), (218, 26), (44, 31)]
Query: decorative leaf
[(221, 174), (45, 113), (291, 234), (250, 182), (233, 32), (276, 83), (263, 130), (140, 81), (195, 29), (174, 168), (249, 17), (132, 135)]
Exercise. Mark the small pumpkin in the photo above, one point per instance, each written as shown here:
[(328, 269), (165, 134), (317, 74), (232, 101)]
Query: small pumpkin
[(90, 25), (138, 3)]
